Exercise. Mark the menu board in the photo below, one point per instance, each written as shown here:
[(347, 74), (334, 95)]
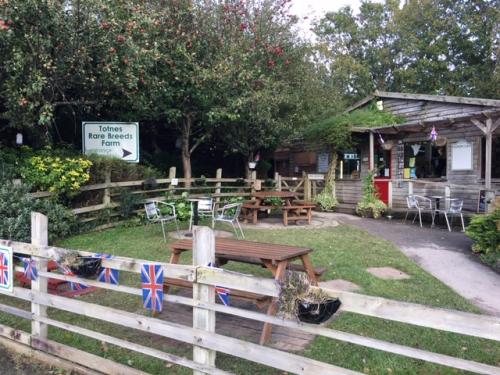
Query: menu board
[(323, 162), (461, 156)]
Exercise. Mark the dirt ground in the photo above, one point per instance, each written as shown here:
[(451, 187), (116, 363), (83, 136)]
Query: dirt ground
[(14, 364)]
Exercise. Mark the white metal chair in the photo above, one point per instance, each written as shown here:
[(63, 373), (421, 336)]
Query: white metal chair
[(205, 209), (154, 215), (453, 207), (419, 204), (229, 214)]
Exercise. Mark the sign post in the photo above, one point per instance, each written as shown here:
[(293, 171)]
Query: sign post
[(116, 139)]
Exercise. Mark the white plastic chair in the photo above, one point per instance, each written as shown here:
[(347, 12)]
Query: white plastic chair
[(452, 209), (419, 204), (229, 214), (154, 215), (205, 209)]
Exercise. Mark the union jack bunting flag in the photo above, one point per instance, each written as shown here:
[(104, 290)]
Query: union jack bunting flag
[(223, 293), (108, 275), (152, 286), (6, 269), (74, 286), (30, 271)]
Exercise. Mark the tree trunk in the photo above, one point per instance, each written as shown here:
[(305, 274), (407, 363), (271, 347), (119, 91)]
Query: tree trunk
[(185, 151), (330, 176)]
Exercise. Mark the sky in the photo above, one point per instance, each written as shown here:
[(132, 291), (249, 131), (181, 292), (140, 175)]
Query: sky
[(315, 9)]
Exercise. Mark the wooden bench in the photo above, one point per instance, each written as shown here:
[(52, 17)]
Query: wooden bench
[(258, 299), (297, 212)]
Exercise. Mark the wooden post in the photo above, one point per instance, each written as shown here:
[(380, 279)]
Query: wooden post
[(171, 175), (389, 198), (218, 184), (371, 157), (314, 189), (487, 163), (106, 199), (40, 237), (307, 188), (203, 319), (278, 181), (253, 177), (447, 195), (410, 188)]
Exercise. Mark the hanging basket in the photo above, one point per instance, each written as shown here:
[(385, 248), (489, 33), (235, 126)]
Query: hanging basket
[(317, 313), (388, 145), (441, 141)]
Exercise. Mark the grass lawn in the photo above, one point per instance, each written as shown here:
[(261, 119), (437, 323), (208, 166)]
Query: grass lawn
[(345, 251)]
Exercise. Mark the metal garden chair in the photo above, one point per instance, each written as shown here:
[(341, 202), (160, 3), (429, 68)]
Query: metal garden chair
[(419, 204), (229, 214), (154, 215), (205, 209), (452, 209)]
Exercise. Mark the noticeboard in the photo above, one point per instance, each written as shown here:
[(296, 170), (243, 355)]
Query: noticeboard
[(461, 156), (323, 160), (116, 139)]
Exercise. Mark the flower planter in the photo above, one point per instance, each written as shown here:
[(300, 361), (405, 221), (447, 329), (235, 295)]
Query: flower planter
[(88, 267), (315, 313)]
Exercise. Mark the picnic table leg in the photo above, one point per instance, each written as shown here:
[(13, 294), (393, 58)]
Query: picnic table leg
[(285, 217), (309, 268), (174, 259), (273, 307)]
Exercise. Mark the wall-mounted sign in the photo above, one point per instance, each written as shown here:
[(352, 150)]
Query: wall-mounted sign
[(461, 156), (323, 160), (6, 270), (315, 176), (117, 139), (351, 156)]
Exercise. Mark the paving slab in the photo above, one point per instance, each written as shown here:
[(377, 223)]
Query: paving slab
[(340, 284), (388, 273)]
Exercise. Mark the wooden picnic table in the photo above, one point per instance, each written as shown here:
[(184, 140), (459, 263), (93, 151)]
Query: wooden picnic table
[(287, 196), (275, 258)]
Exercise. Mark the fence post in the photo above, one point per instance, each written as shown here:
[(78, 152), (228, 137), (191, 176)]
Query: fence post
[(218, 184), (307, 187), (106, 199), (40, 237), (203, 319), (171, 175), (253, 177)]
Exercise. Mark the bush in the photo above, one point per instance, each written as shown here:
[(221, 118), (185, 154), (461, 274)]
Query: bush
[(483, 230), (326, 200), (56, 174), (16, 206), (182, 206), (129, 203), (370, 205), (120, 170)]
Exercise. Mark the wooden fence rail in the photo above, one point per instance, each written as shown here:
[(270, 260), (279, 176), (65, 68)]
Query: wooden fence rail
[(202, 335)]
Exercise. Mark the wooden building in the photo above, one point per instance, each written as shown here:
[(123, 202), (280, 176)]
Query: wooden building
[(463, 160)]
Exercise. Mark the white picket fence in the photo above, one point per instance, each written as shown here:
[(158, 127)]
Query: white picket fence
[(206, 343)]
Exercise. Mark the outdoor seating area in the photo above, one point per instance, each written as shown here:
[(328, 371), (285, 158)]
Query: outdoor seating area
[(435, 206)]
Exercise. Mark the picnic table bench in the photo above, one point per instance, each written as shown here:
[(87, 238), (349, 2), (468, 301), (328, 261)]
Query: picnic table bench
[(276, 258)]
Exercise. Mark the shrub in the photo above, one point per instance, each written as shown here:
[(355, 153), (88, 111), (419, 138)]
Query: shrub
[(120, 170), (370, 204), (182, 206), (128, 203), (16, 206), (483, 230), (326, 200), (56, 174)]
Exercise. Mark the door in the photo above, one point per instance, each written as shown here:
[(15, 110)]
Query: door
[(382, 186)]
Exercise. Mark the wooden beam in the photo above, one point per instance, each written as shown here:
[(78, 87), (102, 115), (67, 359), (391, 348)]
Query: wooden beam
[(439, 98), (479, 124), (488, 154), (371, 156)]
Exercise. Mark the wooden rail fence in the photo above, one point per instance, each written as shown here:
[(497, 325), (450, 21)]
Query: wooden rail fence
[(206, 343)]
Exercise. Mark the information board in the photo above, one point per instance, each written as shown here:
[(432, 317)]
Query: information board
[(323, 161), (6, 270), (117, 139), (461, 156)]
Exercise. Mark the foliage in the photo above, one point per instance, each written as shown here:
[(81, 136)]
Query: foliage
[(182, 206), (56, 174), (365, 118), (370, 205), (120, 170), (275, 201), (128, 203), (16, 206), (484, 230), (434, 47), (326, 200)]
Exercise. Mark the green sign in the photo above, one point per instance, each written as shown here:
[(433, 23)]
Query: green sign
[(117, 139)]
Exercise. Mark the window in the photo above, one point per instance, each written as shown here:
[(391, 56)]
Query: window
[(382, 163), (349, 165), (424, 160), (495, 157)]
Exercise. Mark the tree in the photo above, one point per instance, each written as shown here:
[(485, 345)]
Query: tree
[(426, 46)]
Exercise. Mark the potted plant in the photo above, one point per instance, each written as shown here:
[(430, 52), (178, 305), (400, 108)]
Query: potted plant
[(297, 301), (370, 205)]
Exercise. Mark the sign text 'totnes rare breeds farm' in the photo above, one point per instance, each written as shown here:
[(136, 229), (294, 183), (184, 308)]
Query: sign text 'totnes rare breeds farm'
[(118, 139)]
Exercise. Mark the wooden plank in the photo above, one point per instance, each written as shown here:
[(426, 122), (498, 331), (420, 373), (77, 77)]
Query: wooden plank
[(39, 237), (15, 311), (253, 352), (203, 319), (135, 347), (439, 98)]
